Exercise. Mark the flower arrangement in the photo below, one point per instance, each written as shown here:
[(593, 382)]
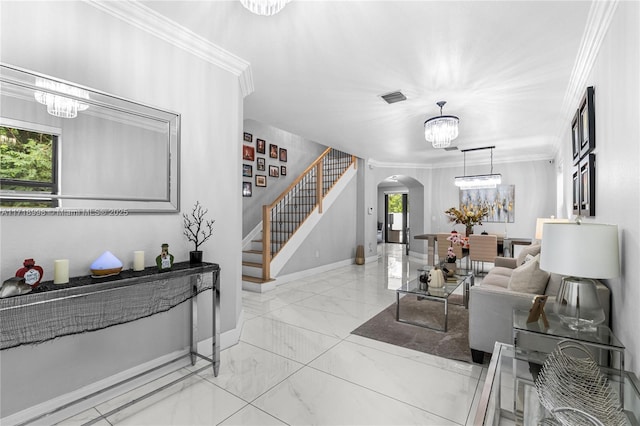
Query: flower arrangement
[(467, 217), (455, 238), (451, 256)]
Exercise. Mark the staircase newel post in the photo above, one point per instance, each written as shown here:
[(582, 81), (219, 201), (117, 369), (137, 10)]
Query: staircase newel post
[(266, 243), (319, 184)]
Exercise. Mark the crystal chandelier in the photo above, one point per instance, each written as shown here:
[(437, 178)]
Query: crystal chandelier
[(490, 180), (264, 7), (61, 106), (440, 131)]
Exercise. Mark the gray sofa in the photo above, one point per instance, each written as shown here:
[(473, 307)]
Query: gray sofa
[(491, 303)]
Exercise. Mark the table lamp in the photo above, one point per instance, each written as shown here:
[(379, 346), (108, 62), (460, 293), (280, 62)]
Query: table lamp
[(580, 252), (541, 221)]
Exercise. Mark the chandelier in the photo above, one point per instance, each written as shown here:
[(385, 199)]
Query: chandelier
[(60, 106), (440, 131), (264, 7), (490, 180)]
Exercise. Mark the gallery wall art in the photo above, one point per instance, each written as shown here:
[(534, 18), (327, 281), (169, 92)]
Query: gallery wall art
[(500, 201)]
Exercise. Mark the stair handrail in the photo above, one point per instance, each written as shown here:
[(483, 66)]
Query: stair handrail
[(266, 209)]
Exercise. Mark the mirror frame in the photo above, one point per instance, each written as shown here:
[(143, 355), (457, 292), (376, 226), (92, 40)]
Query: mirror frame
[(119, 205)]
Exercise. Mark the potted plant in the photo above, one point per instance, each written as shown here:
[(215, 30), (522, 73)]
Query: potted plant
[(197, 230)]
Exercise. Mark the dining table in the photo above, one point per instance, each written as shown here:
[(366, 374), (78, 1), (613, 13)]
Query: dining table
[(505, 245)]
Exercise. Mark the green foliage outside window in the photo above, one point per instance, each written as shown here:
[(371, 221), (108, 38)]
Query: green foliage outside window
[(395, 203), (26, 155), (26, 164)]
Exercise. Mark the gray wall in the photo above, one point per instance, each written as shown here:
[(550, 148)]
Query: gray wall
[(334, 237), (534, 184), (89, 49), (617, 91), (300, 154)]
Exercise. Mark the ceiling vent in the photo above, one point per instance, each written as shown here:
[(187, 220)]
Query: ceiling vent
[(451, 148), (393, 97)]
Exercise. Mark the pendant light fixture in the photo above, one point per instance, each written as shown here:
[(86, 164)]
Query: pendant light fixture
[(264, 7), (440, 131), (490, 180), (57, 105)]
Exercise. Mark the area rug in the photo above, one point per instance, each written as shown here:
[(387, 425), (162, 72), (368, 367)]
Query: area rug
[(452, 344)]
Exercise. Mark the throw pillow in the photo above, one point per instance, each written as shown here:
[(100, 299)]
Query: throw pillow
[(529, 278), (530, 257), (532, 250)]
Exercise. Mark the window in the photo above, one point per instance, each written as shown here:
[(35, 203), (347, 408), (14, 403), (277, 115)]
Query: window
[(28, 167)]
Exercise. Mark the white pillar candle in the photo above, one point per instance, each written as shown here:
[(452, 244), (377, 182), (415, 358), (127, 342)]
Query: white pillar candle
[(138, 260), (61, 271)]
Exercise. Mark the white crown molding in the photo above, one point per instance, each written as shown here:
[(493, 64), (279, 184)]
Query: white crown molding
[(455, 163), (596, 27), (160, 26)]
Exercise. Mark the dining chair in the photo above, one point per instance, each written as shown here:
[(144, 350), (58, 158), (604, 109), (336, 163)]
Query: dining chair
[(482, 248)]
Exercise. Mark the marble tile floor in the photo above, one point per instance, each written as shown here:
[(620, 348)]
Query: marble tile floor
[(297, 364)]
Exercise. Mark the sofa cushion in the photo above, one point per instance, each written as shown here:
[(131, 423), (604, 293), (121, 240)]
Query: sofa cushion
[(497, 280), (529, 278), (499, 270), (533, 250)]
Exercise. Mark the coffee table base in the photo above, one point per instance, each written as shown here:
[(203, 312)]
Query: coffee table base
[(436, 299)]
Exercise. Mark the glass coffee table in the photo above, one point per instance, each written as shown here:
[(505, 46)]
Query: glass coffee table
[(462, 277)]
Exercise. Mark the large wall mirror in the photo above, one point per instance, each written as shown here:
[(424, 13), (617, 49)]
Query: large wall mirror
[(69, 149)]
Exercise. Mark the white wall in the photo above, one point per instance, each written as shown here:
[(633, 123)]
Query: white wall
[(77, 42), (615, 77), (301, 153), (333, 239), (535, 185)]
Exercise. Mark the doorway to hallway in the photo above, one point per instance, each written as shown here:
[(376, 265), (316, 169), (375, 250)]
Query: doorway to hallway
[(397, 218)]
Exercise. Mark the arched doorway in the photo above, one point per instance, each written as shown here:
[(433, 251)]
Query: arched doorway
[(401, 207)]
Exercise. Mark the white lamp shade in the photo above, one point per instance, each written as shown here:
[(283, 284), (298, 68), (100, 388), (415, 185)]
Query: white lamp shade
[(587, 250), (541, 221)]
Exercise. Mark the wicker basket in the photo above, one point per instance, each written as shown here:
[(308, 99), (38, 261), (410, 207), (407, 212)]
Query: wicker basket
[(575, 391)]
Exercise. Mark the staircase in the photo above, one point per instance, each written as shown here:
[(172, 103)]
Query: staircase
[(282, 218)]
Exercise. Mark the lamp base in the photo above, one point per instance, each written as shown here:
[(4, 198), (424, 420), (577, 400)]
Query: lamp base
[(577, 304)]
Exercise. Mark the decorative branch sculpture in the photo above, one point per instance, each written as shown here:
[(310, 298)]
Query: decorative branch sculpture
[(196, 228)]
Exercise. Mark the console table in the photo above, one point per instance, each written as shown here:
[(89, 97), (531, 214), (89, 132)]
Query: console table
[(88, 303)]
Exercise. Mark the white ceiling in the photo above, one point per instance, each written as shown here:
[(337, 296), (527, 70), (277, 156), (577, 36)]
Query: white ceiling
[(504, 68)]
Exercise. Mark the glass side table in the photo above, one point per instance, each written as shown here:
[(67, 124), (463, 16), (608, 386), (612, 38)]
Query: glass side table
[(533, 342), (497, 406)]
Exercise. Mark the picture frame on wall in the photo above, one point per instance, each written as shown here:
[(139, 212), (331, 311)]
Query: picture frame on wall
[(261, 167), (576, 138), (248, 153), (247, 170), (283, 155), (261, 146), (576, 189), (261, 180), (247, 137), (273, 171), (587, 123), (273, 151), (588, 185), (283, 170), (501, 202), (246, 189)]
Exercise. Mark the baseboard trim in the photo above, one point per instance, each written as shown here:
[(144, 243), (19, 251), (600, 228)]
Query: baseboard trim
[(227, 339), (182, 360), (283, 279)]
